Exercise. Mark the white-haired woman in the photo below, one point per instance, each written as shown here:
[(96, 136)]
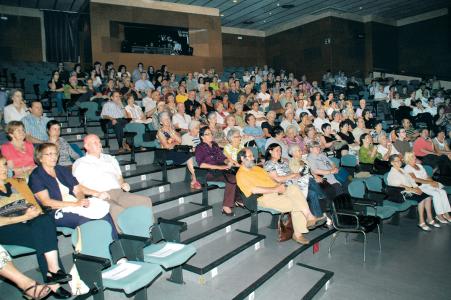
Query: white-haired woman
[(429, 187), (289, 120), (234, 146), (191, 138)]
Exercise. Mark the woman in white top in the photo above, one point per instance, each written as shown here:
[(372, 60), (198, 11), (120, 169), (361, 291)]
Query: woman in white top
[(385, 148), (397, 177), (135, 112), (429, 187), (17, 109), (441, 145)]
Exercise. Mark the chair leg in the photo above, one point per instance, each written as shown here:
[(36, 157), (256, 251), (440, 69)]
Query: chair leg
[(334, 237), (347, 238), (274, 221), (177, 275), (412, 213), (379, 238), (139, 295), (364, 246)]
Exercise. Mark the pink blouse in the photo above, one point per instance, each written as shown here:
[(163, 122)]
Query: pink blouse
[(19, 159)]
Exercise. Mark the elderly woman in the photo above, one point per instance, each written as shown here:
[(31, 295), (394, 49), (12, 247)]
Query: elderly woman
[(57, 189), (254, 131), (292, 138), (216, 129), (311, 135), (234, 146), (429, 187), (17, 109), (270, 123), (169, 138), (210, 156), (289, 120), (386, 149), (230, 122), (377, 132), (280, 172), (397, 177), (239, 115), (18, 152), (134, 112), (67, 154), (191, 138), (27, 226)]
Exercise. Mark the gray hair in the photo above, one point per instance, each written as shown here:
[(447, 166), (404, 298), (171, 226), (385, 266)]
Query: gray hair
[(162, 115), (211, 114), (293, 148), (290, 127), (288, 111), (270, 112), (238, 105), (231, 133), (193, 124)]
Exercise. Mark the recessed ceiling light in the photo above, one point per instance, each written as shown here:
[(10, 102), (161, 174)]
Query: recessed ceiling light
[(264, 21), (234, 1), (360, 7), (278, 4), (270, 13), (222, 15)]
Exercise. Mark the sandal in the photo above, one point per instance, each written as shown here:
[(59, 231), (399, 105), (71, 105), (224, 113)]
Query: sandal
[(196, 185), (433, 224), (424, 227), (44, 293), (239, 204), (444, 221)]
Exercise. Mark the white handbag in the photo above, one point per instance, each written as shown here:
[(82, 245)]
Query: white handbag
[(77, 286)]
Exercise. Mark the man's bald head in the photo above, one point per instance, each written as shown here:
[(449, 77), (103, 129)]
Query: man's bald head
[(92, 144)]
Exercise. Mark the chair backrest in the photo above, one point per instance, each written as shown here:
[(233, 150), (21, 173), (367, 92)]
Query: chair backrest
[(356, 189), (428, 170), (136, 220), (139, 129), (335, 160), (95, 238), (386, 178), (342, 202), (349, 160), (92, 108), (374, 183)]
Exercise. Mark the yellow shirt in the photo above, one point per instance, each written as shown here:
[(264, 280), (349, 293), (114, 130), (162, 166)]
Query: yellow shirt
[(181, 98), (247, 179)]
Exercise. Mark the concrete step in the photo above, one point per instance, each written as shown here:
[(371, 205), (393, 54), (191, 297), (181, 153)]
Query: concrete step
[(187, 212), (150, 187), (153, 171)]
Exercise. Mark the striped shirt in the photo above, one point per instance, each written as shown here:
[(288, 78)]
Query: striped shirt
[(113, 110), (36, 127)]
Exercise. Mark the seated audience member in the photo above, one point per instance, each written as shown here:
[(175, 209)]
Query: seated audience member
[(30, 228), (369, 119), (18, 152), (216, 129), (442, 120), (182, 96), (169, 139), (292, 138), (386, 149), (17, 109), (210, 156), (423, 148), (429, 187), (399, 139), (36, 124), (270, 123), (180, 119), (255, 111), (336, 119), (230, 123), (161, 107), (73, 90), (191, 138), (279, 139), (397, 177), (360, 110), (221, 113), (57, 189), (331, 142), (346, 135), (143, 84), (31, 289), (191, 103), (421, 115), (234, 146), (252, 179), (441, 145), (254, 131), (94, 165), (56, 88), (323, 170), (289, 120), (377, 132), (320, 120), (280, 171), (239, 115), (368, 152), (150, 102), (411, 132), (360, 128), (305, 121), (66, 154), (134, 112), (311, 135), (114, 112)]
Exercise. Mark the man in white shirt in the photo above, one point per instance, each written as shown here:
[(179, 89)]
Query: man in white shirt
[(264, 97), (150, 102), (101, 172), (180, 119)]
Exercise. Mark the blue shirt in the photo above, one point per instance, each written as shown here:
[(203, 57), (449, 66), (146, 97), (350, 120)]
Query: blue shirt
[(40, 180), (36, 127)]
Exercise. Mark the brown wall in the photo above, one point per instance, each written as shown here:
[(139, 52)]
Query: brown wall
[(248, 51), (20, 39), (205, 37)]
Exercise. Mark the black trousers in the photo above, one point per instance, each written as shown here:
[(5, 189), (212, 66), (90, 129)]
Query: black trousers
[(118, 129), (38, 233), (442, 162)]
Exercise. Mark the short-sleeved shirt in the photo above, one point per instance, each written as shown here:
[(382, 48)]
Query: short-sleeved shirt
[(248, 179), (181, 121), (210, 155), (422, 144), (321, 162), (113, 110), (101, 174), (19, 159), (12, 114), (36, 127)]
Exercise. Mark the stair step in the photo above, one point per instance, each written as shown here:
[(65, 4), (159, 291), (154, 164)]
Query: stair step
[(184, 211), (220, 250), (178, 190), (148, 185)]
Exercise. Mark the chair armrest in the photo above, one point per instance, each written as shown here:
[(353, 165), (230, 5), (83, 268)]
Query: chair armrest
[(202, 173), (349, 214), (133, 246), (376, 196), (123, 236), (94, 260), (251, 202), (168, 230)]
